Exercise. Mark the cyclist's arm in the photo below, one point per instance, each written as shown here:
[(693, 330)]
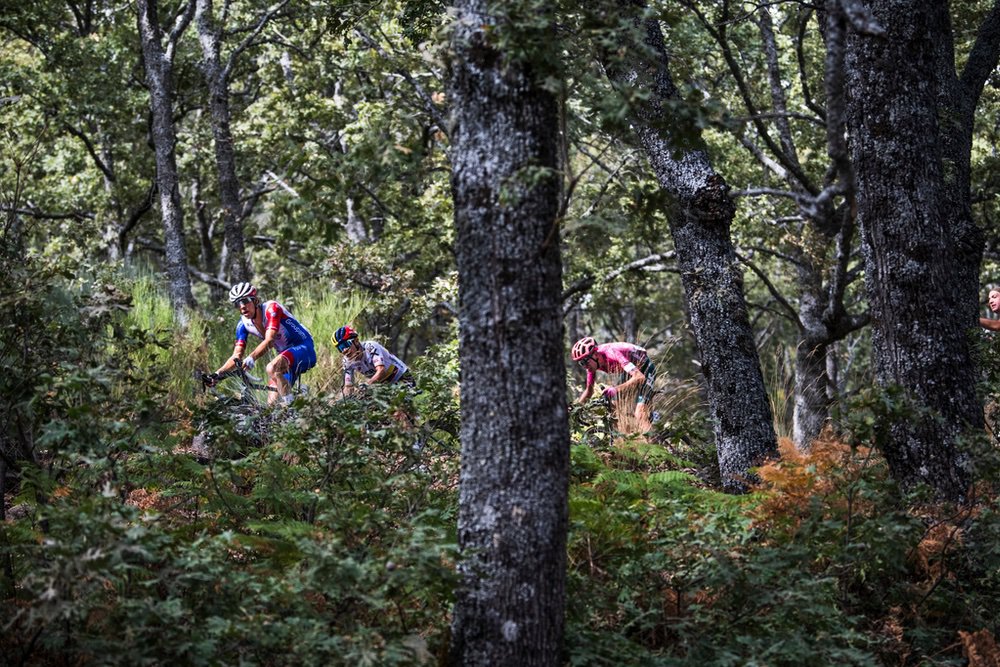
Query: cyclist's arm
[(991, 325), (230, 362), (381, 374), (636, 378), (588, 389), (348, 382), (268, 342)]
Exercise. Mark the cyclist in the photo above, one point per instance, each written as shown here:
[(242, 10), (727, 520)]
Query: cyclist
[(369, 359), (994, 304), (275, 326), (637, 373)]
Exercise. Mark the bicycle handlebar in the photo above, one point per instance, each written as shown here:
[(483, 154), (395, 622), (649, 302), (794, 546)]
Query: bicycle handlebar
[(211, 379)]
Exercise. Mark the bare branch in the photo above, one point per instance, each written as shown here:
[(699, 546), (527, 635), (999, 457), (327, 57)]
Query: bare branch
[(816, 120), (798, 197), (137, 214), (652, 263), (786, 308), (284, 186), (764, 160)]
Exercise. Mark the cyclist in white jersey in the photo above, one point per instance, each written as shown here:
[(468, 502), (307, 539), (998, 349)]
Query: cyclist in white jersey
[(369, 359), (275, 326)]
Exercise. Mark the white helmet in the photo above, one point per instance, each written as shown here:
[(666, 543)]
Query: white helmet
[(241, 291)]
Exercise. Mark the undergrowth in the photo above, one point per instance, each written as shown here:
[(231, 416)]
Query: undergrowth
[(332, 540)]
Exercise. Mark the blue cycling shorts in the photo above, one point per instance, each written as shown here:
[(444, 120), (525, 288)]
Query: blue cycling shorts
[(300, 359)]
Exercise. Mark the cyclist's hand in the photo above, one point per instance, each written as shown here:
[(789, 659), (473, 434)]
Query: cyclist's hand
[(211, 379), (248, 363), (610, 393)]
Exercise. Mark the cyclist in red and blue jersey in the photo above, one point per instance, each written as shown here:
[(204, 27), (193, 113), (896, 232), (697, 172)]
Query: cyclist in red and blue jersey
[(275, 326), (637, 373)]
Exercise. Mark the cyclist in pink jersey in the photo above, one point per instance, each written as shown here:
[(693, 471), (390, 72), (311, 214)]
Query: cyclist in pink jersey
[(275, 326), (637, 373)]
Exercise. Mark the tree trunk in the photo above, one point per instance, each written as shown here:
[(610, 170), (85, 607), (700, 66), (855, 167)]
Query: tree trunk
[(921, 250), (217, 82), (515, 440), (710, 273), (161, 96), (812, 396)]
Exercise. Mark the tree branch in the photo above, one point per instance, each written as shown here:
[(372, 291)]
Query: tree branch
[(110, 175), (431, 107), (774, 77), (248, 40), (801, 57), (982, 61), (137, 214), (719, 34), (180, 25), (653, 263), (42, 215), (787, 308)]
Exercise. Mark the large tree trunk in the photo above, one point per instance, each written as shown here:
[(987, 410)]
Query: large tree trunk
[(710, 272), (161, 96), (921, 250), (515, 440), (217, 82)]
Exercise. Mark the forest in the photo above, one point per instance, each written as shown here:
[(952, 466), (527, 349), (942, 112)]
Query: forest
[(789, 210)]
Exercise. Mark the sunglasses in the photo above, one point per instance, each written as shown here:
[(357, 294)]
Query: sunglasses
[(583, 362), (344, 346), (244, 300)]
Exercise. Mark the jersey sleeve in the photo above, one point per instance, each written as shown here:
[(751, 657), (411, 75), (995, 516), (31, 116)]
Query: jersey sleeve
[(241, 335), (272, 317)]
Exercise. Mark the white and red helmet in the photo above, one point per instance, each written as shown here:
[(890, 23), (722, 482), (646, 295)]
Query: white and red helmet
[(242, 291)]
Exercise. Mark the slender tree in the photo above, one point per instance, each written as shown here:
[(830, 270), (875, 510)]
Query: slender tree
[(710, 271), (911, 135), (158, 61), (515, 442), (217, 72)]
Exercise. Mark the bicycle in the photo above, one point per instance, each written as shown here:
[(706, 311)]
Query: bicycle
[(246, 415), (598, 421)]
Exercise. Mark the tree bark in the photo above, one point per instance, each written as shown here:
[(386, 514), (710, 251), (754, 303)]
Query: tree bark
[(515, 440), (710, 272), (159, 70), (217, 82), (910, 130)]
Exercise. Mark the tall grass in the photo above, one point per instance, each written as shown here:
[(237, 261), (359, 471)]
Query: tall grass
[(202, 344)]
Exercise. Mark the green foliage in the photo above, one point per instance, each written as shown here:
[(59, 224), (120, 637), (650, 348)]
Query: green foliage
[(328, 540)]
